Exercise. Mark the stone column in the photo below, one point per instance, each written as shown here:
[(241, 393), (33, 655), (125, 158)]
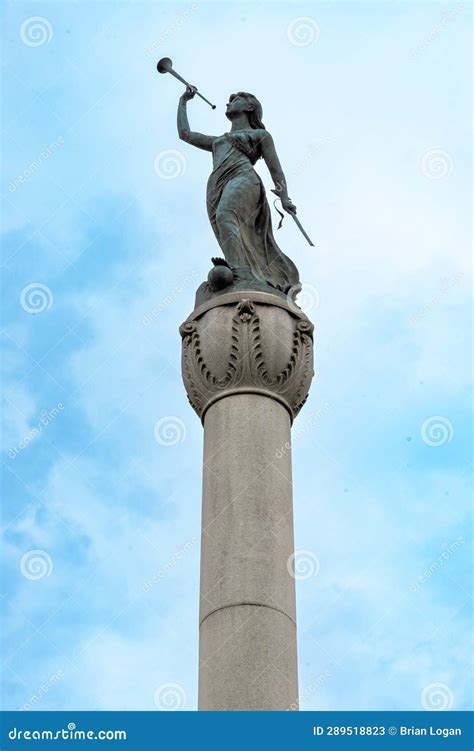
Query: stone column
[(247, 368)]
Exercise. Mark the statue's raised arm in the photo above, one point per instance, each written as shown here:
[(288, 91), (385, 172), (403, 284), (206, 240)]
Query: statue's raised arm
[(184, 131)]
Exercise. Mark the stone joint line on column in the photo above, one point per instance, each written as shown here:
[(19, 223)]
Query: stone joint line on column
[(255, 604), (247, 390)]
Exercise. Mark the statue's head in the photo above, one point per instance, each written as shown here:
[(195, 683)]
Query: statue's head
[(243, 102)]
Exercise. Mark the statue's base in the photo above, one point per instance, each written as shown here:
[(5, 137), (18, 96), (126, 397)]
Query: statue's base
[(224, 279)]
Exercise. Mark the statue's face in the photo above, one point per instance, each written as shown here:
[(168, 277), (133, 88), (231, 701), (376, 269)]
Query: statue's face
[(236, 105)]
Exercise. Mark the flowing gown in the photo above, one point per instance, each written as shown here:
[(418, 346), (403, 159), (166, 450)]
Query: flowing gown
[(239, 212)]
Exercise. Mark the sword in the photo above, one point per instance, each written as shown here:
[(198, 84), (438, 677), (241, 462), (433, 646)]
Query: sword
[(297, 221), (300, 226)]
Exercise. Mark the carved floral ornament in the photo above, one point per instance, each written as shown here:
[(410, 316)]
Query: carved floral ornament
[(246, 368)]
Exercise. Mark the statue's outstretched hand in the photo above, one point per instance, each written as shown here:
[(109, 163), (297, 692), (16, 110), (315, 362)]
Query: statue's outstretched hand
[(288, 205), (190, 93)]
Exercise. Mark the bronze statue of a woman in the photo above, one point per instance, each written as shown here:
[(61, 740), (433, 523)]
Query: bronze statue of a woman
[(236, 203)]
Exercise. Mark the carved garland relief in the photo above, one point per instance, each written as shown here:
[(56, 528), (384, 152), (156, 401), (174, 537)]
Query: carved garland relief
[(246, 368)]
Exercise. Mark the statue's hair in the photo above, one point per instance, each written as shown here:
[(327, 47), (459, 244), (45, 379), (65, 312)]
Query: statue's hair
[(255, 115)]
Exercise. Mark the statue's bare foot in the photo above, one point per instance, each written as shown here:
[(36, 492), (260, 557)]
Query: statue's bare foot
[(220, 262)]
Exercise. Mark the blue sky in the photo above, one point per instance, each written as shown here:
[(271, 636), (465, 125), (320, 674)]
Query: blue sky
[(105, 238)]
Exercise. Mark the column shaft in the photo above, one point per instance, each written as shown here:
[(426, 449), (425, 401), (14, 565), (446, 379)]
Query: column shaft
[(247, 612), (247, 364)]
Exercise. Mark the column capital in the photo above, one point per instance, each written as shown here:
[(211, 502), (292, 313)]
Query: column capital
[(247, 342)]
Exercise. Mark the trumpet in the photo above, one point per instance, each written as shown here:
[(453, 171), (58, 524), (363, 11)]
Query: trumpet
[(165, 65)]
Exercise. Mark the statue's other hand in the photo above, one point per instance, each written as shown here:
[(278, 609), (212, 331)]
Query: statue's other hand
[(288, 205), (190, 93)]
